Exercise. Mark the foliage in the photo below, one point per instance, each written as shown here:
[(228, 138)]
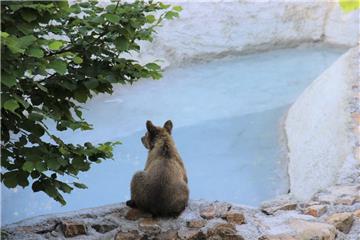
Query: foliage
[(349, 5), (56, 56)]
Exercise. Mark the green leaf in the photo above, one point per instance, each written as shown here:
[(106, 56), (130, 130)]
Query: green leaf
[(35, 52), (59, 66), (38, 130), (177, 8), (121, 44), (40, 166), (28, 166), (170, 15), (10, 179), (41, 87), (164, 6), (81, 95), (78, 113), (80, 185), (150, 18), (26, 41), (22, 101), (64, 187), (55, 45), (153, 66), (28, 14), (22, 178), (4, 34), (91, 83), (13, 44), (36, 116), (8, 80), (11, 105), (53, 164), (84, 4), (77, 60), (112, 17)]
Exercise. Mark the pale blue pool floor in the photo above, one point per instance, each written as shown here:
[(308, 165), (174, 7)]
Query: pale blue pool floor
[(226, 116)]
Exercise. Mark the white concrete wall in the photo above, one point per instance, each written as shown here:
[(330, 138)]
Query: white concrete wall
[(317, 128), (342, 28), (206, 30)]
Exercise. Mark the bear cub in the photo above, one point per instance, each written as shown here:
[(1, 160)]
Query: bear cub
[(161, 189)]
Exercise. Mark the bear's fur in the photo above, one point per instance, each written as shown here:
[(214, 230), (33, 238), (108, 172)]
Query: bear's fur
[(161, 188)]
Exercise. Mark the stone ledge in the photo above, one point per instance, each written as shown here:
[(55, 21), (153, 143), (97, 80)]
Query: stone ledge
[(227, 221)]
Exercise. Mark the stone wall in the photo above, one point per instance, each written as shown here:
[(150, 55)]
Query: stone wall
[(330, 214), (317, 128), (213, 29)]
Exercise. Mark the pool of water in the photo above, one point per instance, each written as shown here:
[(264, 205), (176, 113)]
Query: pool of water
[(226, 116)]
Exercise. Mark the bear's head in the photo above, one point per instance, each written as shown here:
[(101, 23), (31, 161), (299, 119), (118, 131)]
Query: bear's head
[(155, 133)]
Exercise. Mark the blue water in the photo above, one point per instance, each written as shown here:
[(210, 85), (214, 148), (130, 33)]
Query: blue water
[(226, 116)]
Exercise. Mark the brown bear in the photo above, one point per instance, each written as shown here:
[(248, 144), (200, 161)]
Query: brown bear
[(161, 189)]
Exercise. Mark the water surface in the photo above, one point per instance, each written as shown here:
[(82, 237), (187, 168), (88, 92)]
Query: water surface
[(226, 116)]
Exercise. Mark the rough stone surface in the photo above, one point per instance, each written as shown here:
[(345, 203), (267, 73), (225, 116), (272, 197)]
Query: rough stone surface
[(191, 234), (312, 230), (224, 231), (196, 223), (127, 236), (357, 213), (277, 237), (168, 235), (149, 225), (235, 217), (111, 221), (342, 221), (244, 30), (284, 207), (104, 228), (208, 212), (315, 210), (71, 229)]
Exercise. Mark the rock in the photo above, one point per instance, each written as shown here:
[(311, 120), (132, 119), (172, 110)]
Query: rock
[(221, 209), (224, 231), (346, 200), (277, 237), (54, 234), (216, 209), (72, 229), (326, 199), (208, 212), (234, 217), (308, 204), (357, 213), (196, 223), (284, 207), (342, 221), (315, 210), (104, 228), (168, 235), (312, 230), (191, 234), (134, 235), (135, 214), (149, 225)]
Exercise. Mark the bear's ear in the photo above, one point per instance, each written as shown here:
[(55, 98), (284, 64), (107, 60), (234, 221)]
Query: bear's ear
[(168, 126), (150, 127)]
